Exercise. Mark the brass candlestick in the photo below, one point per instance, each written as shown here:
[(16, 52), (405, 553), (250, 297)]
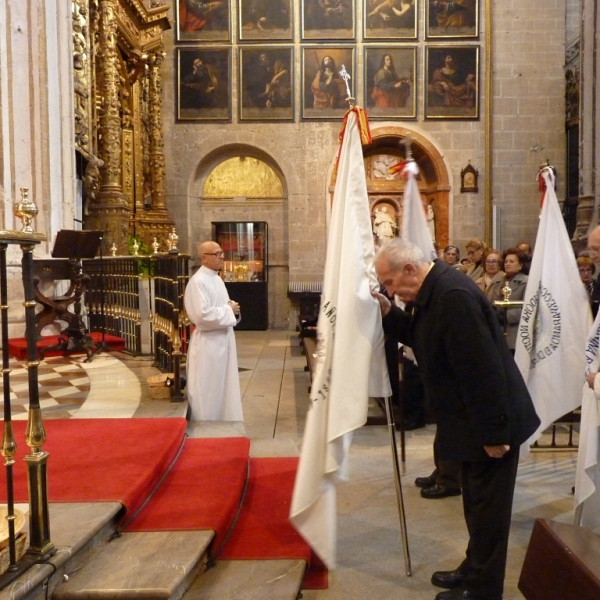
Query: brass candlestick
[(25, 210)]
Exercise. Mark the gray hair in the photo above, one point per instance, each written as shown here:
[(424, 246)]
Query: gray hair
[(398, 252)]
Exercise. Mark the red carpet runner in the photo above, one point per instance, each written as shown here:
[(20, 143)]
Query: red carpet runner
[(122, 460), (17, 347)]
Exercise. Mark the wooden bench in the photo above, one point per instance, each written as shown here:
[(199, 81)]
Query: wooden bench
[(562, 562), (309, 346)]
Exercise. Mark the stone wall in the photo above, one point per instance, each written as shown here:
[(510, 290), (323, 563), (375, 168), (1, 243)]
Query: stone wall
[(528, 93)]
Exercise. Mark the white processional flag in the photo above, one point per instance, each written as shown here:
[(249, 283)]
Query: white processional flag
[(351, 363), (587, 477), (555, 321), (414, 221)]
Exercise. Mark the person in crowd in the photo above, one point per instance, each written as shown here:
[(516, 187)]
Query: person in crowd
[(525, 247), (482, 406), (517, 282), (492, 272), (213, 384), (451, 256), (594, 250), (587, 268), (475, 250)]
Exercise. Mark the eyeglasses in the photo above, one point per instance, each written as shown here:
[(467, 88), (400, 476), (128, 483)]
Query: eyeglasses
[(214, 254)]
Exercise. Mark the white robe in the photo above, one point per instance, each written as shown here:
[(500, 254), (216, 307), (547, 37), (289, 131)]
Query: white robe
[(213, 385)]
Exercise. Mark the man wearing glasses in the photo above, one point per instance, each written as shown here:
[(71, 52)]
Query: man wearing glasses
[(213, 384)]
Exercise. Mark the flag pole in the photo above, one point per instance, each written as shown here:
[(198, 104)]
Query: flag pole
[(399, 496), (388, 409)]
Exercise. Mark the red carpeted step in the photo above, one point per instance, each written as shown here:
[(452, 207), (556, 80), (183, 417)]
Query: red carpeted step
[(17, 347), (203, 490), (263, 529), (97, 460)]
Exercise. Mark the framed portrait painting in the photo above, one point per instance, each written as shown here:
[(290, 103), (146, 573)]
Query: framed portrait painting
[(451, 19), (203, 21), (390, 19), (203, 84), (266, 77), (264, 20), (324, 91), (328, 19), (390, 82), (452, 79)]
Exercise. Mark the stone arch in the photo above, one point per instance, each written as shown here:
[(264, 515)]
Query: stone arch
[(274, 210), (434, 176)]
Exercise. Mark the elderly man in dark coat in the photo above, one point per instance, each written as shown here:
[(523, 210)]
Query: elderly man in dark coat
[(483, 409)]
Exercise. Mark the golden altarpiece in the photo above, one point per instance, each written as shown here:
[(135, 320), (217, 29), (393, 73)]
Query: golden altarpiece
[(117, 53)]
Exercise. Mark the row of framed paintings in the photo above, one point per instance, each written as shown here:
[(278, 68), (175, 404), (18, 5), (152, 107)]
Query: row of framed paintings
[(268, 78), (273, 20)]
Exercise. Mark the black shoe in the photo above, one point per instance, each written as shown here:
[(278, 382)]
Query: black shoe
[(447, 579), (425, 482), (439, 491), (412, 425), (460, 594)]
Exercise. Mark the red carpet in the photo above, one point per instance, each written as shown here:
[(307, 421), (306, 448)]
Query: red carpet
[(17, 347), (96, 460), (202, 491), (263, 530)]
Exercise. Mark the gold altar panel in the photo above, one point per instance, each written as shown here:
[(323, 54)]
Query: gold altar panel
[(243, 176)]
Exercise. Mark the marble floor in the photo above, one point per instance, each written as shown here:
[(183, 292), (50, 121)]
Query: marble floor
[(371, 562)]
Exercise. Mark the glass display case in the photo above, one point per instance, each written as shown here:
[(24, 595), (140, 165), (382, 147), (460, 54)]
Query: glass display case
[(245, 273)]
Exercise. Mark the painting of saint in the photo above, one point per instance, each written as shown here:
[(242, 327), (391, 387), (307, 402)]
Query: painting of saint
[(452, 18), (265, 20), (203, 84), (390, 83), (390, 19), (452, 83), (323, 87), (328, 19), (200, 20), (266, 77)]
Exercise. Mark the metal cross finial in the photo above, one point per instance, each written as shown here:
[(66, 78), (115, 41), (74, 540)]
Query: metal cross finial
[(407, 141), (346, 77)]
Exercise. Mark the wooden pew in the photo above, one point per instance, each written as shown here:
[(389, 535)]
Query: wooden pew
[(562, 562)]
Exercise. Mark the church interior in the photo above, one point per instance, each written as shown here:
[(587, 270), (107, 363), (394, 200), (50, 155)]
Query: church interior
[(158, 124)]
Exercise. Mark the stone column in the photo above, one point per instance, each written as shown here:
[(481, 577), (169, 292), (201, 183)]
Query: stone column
[(109, 211)]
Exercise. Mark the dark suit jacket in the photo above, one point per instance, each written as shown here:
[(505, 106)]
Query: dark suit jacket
[(469, 374)]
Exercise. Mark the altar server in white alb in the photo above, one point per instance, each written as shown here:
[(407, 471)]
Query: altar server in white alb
[(213, 385)]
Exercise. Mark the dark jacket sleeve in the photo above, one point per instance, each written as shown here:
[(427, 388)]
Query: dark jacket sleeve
[(397, 324), (469, 335)]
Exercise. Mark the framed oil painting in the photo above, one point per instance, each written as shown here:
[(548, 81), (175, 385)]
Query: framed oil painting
[(265, 20), (324, 90), (266, 77), (203, 84), (390, 83), (328, 20), (451, 19), (452, 79), (203, 21), (390, 19)]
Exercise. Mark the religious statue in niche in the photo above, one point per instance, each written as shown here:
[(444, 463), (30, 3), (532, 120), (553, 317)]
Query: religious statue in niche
[(384, 225), (430, 221), (382, 165)]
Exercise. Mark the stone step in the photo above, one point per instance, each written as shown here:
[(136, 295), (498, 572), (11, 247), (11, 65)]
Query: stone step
[(79, 532), (249, 579), (151, 565)]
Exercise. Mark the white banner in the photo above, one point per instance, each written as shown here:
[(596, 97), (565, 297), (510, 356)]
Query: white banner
[(351, 363), (556, 319)]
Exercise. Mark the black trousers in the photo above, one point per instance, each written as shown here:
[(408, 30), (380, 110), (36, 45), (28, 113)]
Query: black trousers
[(488, 488)]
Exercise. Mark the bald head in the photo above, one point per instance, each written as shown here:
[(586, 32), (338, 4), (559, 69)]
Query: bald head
[(210, 255)]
